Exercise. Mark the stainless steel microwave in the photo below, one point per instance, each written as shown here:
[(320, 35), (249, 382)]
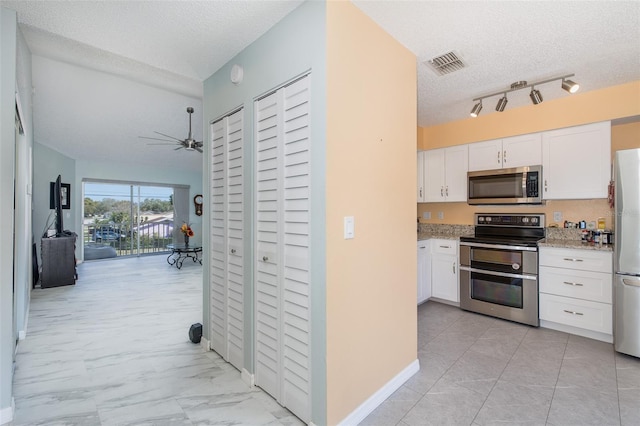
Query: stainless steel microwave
[(518, 185)]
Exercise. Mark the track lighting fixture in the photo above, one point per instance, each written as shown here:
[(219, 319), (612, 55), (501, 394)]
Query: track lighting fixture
[(535, 95), (570, 86), (502, 103), (476, 109)]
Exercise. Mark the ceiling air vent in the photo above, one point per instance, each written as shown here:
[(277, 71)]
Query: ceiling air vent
[(445, 64)]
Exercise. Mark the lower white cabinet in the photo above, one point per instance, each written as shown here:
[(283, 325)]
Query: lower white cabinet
[(424, 271), (444, 270), (576, 291)]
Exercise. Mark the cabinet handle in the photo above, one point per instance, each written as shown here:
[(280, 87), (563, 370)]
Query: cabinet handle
[(265, 258), (568, 259), (545, 185), (498, 157), (420, 192), (442, 191), (454, 268), (447, 191), (445, 246), (573, 312), (574, 284), (504, 156), (422, 248), (233, 251)]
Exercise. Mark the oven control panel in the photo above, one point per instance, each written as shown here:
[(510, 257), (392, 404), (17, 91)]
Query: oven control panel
[(532, 220)]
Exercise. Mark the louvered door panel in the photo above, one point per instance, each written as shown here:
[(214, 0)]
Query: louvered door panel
[(235, 240), (218, 267), (296, 276), (267, 297), (282, 246), (227, 239)]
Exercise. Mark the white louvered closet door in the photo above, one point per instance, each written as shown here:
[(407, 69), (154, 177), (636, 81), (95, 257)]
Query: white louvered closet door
[(282, 246), (227, 208)]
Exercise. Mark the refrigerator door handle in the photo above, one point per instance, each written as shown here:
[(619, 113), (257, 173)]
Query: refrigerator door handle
[(631, 283)]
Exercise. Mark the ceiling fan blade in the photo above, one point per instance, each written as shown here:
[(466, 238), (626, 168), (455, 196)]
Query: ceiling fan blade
[(180, 147), (163, 144), (156, 139), (197, 149), (170, 137)]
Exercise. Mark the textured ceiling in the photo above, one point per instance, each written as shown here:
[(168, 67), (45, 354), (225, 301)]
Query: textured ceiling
[(172, 46)]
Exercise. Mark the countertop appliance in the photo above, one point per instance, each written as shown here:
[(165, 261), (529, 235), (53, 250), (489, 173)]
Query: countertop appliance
[(626, 283), (499, 266), (518, 185)]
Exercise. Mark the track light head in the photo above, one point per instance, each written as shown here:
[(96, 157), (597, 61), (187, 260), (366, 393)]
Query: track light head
[(570, 86), (536, 96), (476, 109), (502, 103)]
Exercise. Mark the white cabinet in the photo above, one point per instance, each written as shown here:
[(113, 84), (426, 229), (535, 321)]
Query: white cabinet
[(424, 271), (576, 291), (516, 151), (446, 174), (577, 162), (444, 270), (421, 177)]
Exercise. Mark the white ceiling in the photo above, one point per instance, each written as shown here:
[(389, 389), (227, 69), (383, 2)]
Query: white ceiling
[(172, 46)]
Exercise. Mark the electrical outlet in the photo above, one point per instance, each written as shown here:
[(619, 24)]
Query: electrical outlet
[(557, 217), (440, 215), (426, 215)]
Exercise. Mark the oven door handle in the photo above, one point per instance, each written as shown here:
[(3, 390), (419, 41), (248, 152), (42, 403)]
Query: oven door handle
[(498, 274), (498, 246)]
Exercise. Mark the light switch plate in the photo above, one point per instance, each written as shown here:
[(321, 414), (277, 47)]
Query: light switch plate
[(557, 217), (440, 215), (349, 227), (426, 215)]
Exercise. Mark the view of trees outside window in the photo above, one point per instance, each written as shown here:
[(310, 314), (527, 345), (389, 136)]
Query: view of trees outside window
[(130, 219)]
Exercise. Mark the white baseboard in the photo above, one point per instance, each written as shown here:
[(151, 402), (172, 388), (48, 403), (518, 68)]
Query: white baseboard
[(248, 378), (603, 337), (206, 345), (6, 414), (367, 407)]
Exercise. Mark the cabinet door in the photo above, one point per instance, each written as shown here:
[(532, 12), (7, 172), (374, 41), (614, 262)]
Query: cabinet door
[(524, 150), (434, 175), (421, 177), (456, 167), (424, 269), (485, 155), (577, 162), (444, 277)]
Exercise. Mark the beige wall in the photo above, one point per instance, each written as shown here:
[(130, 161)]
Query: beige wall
[(612, 103), (371, 138), (581, 108)]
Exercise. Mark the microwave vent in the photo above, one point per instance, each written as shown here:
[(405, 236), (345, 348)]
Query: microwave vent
[(445, 64)]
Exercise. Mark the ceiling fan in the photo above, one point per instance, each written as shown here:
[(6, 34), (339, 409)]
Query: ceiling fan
[(189, 143)]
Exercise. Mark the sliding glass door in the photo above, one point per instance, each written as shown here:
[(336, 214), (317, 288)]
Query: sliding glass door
[(125, 219)]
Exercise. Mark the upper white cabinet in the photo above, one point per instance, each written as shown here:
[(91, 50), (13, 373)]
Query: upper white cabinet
[(516, 151), (446, 174), (576, 162), (420, 184)]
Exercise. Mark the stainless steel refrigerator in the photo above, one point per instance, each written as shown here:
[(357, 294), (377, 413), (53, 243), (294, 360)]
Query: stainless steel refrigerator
[(626, 284)]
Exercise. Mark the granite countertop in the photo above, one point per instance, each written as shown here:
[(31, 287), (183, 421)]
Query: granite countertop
[(444, 232), (574, 244)]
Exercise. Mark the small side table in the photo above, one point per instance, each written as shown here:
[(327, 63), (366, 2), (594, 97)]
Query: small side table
[(180, 252)]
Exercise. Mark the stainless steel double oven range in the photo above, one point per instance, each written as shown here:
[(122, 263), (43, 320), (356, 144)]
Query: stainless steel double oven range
[(499, 266)]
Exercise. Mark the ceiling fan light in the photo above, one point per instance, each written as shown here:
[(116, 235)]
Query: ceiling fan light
[(476, 109), (502, 103), (570, 86), (536, 96)]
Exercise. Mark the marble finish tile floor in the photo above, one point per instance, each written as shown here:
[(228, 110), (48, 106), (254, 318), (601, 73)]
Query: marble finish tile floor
[(476, 370), (114, 350)]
